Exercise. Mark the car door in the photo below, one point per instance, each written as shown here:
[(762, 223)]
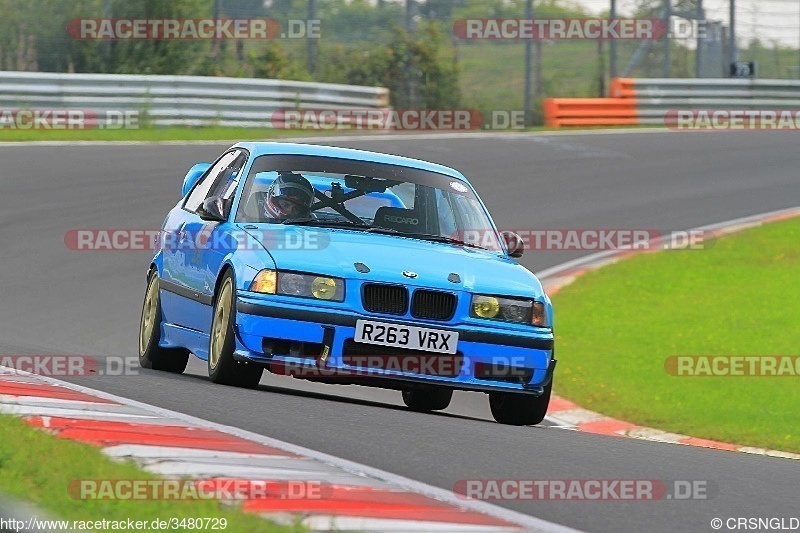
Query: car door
[(191, 266)]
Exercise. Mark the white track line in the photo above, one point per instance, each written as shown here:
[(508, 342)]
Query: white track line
[(591, 258)]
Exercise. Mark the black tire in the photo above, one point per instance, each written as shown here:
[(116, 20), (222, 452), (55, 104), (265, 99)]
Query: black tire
[(222, 367), (427, 399), (151, 355), (519, 409)]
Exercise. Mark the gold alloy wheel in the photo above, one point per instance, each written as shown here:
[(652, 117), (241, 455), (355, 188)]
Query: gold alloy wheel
[(220, 326), (148, 321)]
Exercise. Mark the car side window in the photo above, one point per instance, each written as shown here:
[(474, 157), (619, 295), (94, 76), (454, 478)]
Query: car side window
[(225, 184), (219, 174)]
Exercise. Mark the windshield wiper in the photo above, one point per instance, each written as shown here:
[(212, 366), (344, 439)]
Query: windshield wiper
[(382, 229), (451, 240), (441, 238), (310, 221)]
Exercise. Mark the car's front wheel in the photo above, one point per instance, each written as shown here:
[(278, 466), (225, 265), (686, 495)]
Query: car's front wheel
[(427, 399), (222, 367), (151, 355), (519, 409)]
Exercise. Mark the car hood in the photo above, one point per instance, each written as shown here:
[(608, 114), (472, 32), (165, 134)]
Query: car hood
[(334, 252)]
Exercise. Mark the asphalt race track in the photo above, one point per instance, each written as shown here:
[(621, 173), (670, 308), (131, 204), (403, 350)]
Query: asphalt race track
[(56, 300)]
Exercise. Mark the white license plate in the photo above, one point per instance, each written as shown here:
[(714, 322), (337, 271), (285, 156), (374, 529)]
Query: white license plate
[(411, 337)]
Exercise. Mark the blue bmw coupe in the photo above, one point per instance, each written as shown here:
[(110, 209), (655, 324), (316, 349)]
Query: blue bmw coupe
[(350, 267)]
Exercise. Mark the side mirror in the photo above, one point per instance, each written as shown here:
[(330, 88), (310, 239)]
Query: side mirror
[(213, 209), (192, 176), (514, 243)]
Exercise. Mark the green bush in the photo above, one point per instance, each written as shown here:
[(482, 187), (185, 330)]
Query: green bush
[(415, 67)]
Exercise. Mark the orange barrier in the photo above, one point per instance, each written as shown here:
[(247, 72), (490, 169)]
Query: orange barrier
[(657, 99), (622, 88), (559, 112)]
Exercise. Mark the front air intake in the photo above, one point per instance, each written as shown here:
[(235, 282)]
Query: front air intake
[(387, 299)]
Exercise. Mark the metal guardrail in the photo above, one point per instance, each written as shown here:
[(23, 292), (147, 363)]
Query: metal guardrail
[(650, 99), (656, 96), (182, 100), (704, 88)]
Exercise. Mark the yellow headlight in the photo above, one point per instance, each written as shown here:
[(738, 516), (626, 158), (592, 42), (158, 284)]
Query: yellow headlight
[(265, 282), (323, 288), (485, 306)]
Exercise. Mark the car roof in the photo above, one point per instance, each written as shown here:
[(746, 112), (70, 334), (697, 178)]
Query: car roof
[(268, 148)]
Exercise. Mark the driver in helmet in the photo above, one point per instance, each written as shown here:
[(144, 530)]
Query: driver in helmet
[(289, 196)]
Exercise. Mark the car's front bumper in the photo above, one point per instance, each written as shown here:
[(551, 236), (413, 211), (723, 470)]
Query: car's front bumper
[(488, 358)]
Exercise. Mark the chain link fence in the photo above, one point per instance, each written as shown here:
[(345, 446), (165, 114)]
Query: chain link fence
[(410, 46)]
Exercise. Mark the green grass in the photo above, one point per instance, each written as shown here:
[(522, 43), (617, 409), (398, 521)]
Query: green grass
[(616, 327), (37, 467), (492, 74)]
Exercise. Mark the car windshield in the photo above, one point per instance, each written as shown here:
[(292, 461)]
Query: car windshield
[(373, 197)]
